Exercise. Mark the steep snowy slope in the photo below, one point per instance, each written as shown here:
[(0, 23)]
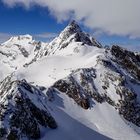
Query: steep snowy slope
[(99, 122), (23, 110), (91, 92), (97, 83), (96, 79)]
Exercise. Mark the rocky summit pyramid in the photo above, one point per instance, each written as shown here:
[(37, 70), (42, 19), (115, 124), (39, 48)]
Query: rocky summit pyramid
[(69, 89), (72, 33)]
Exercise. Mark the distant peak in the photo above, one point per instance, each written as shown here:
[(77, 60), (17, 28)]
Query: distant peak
[(20, 37), (26, 36), (74, 33), (15, 39)]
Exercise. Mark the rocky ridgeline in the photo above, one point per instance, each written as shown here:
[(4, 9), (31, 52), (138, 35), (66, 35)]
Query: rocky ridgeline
[(23, 110), (81, 91), (78, 35), (128, 60)]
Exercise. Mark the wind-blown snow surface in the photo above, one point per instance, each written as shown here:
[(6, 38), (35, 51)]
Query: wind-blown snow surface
[(54, 67)]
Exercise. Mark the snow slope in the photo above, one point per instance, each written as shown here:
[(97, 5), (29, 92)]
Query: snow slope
[(100, 122), (54, 67), (63, 62)]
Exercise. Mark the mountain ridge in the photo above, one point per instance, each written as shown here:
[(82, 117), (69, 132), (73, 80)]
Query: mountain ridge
[(82, 84)]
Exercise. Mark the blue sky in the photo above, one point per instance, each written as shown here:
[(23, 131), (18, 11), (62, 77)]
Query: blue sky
[(44, 23), (35, 21)]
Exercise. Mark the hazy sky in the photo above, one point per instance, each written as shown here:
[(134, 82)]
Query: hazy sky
[(110, 21)]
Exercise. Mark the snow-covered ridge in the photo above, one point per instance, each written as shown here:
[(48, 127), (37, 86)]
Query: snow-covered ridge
[(16, 39), (104, 84), (23, 110), (16, 52)]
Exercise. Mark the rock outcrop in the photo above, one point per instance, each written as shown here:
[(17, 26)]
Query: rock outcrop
[(88, 85), (23, 110), (128, 60)]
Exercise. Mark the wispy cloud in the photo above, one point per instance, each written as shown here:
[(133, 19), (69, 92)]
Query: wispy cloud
[(46, 35), (4, 37), (132, 47), (119, 17)]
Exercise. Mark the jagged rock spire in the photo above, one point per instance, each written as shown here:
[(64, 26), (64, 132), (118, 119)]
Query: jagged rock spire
[(72, 33), (72, 28), (73, 22), (73, 25)]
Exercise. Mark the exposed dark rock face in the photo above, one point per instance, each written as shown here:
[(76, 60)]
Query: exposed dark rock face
[(127, 104), (6, 54), (38, 46), (72, 91), (2, 132), (23, 109), (78, 36), (129, 60), (22, 50), (128, 107), (81, 91)]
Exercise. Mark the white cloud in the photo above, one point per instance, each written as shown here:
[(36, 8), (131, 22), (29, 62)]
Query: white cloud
[(120, 17)]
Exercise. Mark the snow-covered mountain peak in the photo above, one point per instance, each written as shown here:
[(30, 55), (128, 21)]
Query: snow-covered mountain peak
[(25, 37), (17, 51), (18, 39), (71, 34), (72, 28), (74, 24)]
